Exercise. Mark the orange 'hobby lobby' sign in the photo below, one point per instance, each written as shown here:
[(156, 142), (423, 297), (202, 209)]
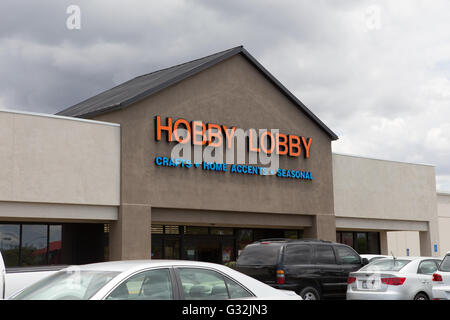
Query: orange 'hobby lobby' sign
[(215, 135)]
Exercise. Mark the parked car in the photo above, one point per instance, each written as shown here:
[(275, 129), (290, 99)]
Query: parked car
[(402, 278), (151, 280), (373, 257), (15, 279), (315, 269), (441, 280)]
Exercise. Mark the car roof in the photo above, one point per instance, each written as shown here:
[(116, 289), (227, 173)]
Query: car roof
[(410, 258), (286, 240), (126, 265), (373, 255)]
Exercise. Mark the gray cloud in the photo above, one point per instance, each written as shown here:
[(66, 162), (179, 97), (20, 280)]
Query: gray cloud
[(385, 89)]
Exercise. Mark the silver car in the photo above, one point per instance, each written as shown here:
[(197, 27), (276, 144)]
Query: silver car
[(402, 278), (151, 280), (441, 280)]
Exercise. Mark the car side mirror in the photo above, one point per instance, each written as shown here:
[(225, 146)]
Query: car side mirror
[(364, 261)]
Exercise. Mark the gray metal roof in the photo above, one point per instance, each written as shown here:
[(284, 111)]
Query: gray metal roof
[(143, 86)]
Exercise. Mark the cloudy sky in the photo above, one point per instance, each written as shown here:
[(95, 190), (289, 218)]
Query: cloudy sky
[(376, 72)]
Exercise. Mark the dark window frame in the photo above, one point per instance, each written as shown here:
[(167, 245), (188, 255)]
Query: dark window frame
[(21, 224)]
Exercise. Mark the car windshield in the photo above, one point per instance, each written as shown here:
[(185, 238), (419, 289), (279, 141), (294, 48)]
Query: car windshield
[(445, 264), (386, 265), (68, 284)]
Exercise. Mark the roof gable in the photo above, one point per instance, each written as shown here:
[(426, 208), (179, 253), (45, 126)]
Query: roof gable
[(144, 86)]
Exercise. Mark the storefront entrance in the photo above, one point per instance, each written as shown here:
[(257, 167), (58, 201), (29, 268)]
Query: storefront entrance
[(209, 244), (362, 242)]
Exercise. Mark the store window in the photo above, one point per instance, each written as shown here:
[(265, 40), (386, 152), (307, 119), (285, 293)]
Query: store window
[(30, 244), (212, 244), (362, 242), (244, 237), (172, 249), (347, 238), (10, 244), (373, 242), (222, 231), (171, 229), (106, 228), (157, 248), (55, 244), (196, 230), (33, 250), (291, 234), (227, 250), (157, 229)]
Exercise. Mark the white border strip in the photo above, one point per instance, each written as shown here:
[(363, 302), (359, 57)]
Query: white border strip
[(378, 159), (380, 224), (46, 115)]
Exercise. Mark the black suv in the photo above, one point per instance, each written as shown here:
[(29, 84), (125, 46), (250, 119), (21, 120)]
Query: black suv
[(315, 269)]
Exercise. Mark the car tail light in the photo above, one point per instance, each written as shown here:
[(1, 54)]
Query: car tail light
[(437, 277), (350, 280), (280, 277), (393, 281)]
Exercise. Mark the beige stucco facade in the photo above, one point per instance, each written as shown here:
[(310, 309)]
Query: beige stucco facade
[(233, 93), (58, 168), (402, 243), (372, 194), (399, 242), (443, 210)]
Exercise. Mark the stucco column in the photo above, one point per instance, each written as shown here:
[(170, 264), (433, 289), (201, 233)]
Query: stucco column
[(130, 236), (384, 243), (428, 239), (323, 228)]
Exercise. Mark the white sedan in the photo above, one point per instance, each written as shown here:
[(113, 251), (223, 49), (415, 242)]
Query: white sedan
[(441, 280), (401, 278), (151, 280)]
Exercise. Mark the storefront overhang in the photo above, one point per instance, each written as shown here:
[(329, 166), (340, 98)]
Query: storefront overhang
[(23, 211), (226, 218), (380, 224)]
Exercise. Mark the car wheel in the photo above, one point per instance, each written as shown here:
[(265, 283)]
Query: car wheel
[(421, 296), (309, 293)]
